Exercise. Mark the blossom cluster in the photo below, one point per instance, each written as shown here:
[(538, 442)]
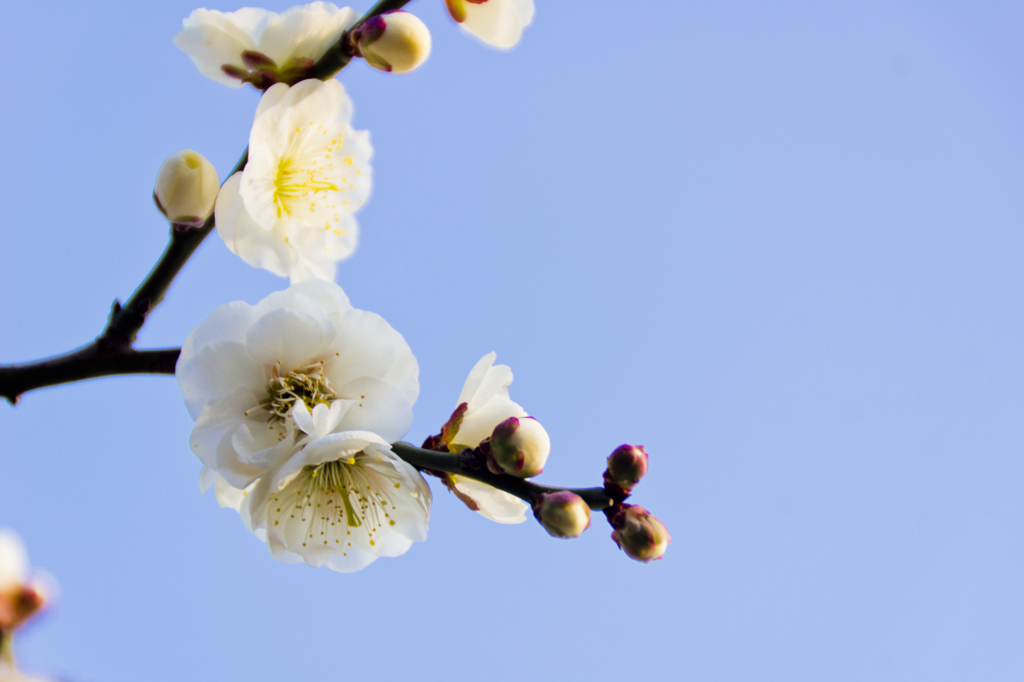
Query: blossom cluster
[(298, 400)]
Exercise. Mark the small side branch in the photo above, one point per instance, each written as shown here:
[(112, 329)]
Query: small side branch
[(452, 463)]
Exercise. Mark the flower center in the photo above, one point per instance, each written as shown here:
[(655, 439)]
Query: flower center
[(307, 384), (326, 502), (295, 182)]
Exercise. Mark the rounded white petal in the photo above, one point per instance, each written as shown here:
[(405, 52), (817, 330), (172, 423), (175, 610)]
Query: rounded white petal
[(493, 504), (259, 246), (366, 345), (376, 406), (498, 23), (213, 39), (305, 32), (289, 339), (13, 561)]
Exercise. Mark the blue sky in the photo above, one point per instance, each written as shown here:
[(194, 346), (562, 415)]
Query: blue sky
[(777, 244)]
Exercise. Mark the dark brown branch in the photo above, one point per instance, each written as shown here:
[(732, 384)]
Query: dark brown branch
[(100, 358), (112, 353), (452, 463)]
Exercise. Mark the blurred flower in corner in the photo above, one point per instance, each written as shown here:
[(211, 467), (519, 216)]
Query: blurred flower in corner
[(23, 592)]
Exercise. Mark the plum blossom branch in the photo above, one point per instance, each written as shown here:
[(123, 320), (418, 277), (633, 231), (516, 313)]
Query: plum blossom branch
[(111, 353), (454, 463)]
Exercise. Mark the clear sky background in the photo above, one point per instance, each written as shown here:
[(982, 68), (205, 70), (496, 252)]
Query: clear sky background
[(779, 244)]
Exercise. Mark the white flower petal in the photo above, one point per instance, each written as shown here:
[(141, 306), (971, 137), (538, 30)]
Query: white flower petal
[(288, 339), (215, 371), (13, 561), (305, 32), (494, 504), (498, 23), (213, 39), (366, 345), (376, 406), (258, 246)]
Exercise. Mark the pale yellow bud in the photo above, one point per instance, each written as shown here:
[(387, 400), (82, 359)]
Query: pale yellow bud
[(396, 41), (563, 514), (520, 447), (186, 188)]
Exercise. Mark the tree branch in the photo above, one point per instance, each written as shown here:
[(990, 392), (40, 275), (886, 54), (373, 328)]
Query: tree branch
[(452, 463), (112, 353), (98, 359)]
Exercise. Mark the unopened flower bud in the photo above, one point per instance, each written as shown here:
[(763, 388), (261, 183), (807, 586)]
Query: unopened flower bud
[(626, 466), (563, 514), (186, 188), (395, 41), (638, 534), (520, 447)]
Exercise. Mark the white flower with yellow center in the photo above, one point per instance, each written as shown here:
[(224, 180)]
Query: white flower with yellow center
[(485, 395), (340, 501), (262, 47), (261, 381), (290, 210), (498, 23)]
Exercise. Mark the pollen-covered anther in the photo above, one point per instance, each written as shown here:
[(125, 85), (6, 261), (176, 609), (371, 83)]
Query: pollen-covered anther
[(307, 384)]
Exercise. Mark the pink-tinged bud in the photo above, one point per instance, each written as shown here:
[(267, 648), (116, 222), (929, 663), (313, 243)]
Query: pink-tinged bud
[(626, 466), (563, 514), (396, 41), (186, 188), (520, 447), (638, 534)]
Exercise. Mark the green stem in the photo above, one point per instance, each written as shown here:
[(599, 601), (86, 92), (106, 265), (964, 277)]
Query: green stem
[(451, 463)]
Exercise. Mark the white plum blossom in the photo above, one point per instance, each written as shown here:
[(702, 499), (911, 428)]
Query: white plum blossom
[(498, 23), (262, 381), (485, 394), (340, 501), (259, 46), (290, 210), (23, 592)]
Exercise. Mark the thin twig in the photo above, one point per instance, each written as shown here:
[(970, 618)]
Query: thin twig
[(452, 463)]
